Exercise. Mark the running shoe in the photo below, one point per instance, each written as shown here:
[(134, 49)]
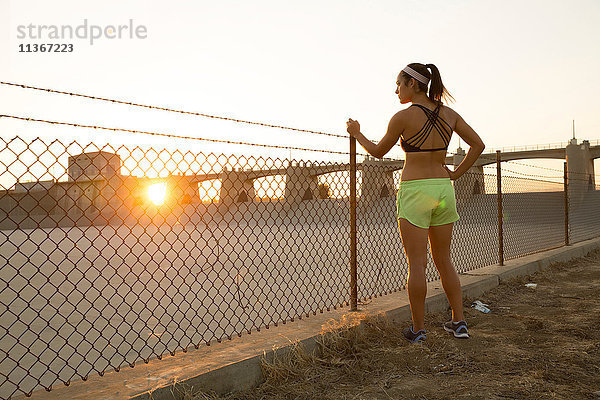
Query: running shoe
[(459, 329), (414, 337)]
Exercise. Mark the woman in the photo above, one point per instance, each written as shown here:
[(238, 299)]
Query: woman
[(425, 202)]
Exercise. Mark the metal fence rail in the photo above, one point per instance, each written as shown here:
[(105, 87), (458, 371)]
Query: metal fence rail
[(113, 255)]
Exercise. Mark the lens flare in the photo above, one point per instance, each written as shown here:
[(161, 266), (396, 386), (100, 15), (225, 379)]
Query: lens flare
[(158, 193)]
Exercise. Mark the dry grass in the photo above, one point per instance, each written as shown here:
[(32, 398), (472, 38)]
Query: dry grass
[(536, 343)]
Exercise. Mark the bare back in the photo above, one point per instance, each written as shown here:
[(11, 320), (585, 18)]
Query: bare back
[(426, 164)]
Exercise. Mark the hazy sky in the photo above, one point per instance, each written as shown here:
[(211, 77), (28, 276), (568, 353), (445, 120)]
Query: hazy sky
[(520, 71)]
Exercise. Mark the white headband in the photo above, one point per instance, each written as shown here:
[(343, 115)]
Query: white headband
[(416, 75)]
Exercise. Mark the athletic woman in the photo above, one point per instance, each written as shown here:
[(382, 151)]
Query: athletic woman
[(425, 201)]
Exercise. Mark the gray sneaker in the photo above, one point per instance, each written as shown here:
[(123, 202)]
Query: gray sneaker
[(414, 337), (459, 329)]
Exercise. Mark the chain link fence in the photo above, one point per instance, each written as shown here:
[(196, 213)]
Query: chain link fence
[(113, 255), (534, 215), (584, 208)]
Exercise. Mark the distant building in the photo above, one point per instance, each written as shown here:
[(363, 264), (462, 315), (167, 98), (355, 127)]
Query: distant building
[(37, 186), (93, 166), (95, 193)]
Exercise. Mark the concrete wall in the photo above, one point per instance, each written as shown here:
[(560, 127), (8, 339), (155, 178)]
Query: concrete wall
[(377, 181), (235, 187), (300, 185), (580, 171)]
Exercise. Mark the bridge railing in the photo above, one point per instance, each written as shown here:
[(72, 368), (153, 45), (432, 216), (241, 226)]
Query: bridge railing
[(546, 146), (111, 255)]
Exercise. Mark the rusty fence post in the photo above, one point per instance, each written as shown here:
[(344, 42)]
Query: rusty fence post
[(566, 196), (353, 273), (500, 219)]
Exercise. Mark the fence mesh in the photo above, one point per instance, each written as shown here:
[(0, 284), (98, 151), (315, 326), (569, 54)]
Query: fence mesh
[(128, 253), (534, 215), (381, 263), (113, 255), (584, 208)]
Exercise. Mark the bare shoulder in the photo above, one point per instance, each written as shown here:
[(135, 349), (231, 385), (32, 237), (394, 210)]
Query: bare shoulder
[(402, 113), (412, 115), (406, 114), (399, 118), (451, 116), (449, 110)]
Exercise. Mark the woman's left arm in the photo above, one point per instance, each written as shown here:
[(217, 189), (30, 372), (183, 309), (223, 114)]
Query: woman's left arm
[(387, 142)]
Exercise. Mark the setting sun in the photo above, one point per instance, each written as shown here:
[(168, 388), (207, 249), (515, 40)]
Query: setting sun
[(157, 193)]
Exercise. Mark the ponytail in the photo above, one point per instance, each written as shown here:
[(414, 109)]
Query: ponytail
[(437, 91)]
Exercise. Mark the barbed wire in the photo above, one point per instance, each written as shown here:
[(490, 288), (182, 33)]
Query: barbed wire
[(233, 120), (238, 143), (169, 135), (531, 179), (536, 166), (175, 110), (130, 103), (560, 178), (531, 175), (522, 175), (504, 169), (553, 169), (217, 117)]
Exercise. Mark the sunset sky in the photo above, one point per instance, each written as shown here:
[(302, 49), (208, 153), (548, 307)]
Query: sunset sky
[(520, 71)]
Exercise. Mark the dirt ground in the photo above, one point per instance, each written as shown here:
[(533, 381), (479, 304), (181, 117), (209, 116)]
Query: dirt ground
[(537, 343)]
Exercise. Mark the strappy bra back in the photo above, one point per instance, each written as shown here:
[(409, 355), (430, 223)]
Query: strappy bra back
[(415, 143)]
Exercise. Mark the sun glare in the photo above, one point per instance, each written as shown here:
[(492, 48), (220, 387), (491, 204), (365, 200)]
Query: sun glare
[(157, 193)]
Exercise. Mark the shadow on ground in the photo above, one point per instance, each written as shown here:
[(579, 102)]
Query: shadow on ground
[(541, 342)]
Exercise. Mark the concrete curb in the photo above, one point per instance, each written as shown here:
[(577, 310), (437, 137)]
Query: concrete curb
[(236, 365)]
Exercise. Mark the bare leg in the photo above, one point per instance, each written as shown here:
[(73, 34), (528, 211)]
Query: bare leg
[(439, 241), (414, 241)]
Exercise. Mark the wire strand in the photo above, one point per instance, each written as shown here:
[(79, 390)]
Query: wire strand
[(171, 109), (537, 166), (169, 135)]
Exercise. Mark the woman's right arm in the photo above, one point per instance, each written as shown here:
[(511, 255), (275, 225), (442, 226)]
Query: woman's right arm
[(476, 147)]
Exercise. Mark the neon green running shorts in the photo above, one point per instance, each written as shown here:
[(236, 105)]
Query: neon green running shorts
[(427, 202)]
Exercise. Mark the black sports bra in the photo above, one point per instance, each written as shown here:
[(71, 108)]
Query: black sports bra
[(414, 143)]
